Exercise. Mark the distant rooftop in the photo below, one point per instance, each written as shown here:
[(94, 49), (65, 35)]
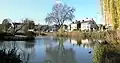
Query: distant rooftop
[(87, 20)]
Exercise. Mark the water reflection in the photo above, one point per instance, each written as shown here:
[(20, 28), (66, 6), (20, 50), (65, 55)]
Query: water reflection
[(28, 48), (25, 49), (53, 50), (59, 54), (86, 43)]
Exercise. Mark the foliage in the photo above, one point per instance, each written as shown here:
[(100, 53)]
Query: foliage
[(9, 26), (111, 12), (75, 30), (30, 33), (26, 24), (106, 54), (60, 13), (29, 24), (6, 23), (61, 30), (99, 52)]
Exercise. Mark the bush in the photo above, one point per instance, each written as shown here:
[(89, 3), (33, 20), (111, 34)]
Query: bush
[(30, 33), (75, 30), (19, 33), (43, 34)]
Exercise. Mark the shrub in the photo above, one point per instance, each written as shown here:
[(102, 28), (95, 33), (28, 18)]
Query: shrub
[(43, 34), (30, 33), (19, 33)]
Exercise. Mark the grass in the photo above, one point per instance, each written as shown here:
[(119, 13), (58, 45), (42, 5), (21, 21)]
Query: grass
[(24, 36), (110, 36), (82, 35), (106, 54)]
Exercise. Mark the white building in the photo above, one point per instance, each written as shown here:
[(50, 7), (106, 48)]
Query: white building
[(32, 30), (74, 26), (89, 25)]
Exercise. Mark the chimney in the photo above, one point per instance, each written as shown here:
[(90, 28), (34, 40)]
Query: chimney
[(82, 20)]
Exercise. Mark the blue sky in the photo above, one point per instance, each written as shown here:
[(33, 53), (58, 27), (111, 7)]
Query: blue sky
[(38, 9)]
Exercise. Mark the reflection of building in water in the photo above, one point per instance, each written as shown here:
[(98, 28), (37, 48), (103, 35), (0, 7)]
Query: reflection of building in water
[(59, 54), (74, 42), (86, 43)]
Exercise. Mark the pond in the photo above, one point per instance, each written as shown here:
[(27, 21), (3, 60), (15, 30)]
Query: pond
[(49, 49)]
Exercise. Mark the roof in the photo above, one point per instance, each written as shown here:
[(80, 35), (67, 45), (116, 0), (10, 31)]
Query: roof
[(87, 21), (17, 23), (77, 22)]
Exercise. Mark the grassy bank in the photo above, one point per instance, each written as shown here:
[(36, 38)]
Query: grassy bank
[(110, 36), (81, 35), (28, 36), (106, 53), (16, 38)]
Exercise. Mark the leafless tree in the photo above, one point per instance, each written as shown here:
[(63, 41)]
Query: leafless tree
[(60, 13)]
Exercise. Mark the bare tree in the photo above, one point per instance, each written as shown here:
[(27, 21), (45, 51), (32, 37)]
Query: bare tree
[(60, 13), (16, 28)]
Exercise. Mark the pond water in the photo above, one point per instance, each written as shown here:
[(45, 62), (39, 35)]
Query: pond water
[(49, 49)]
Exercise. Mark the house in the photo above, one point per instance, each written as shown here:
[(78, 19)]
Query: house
[(43, 28), (54, 28), (88, 25), (19, 26), (74, 26), (32, 30)]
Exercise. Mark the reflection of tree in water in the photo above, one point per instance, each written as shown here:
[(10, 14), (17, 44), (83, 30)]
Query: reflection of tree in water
[(24, 49), (29, 44), (59, 54), (7, 45), (28, 49), (105, 54), (79, 42)]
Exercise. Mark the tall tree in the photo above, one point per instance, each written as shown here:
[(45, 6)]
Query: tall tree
[(60, 13), (29, 24), (111, 12)]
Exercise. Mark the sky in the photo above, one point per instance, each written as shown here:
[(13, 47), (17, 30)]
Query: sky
[(37, 10)]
